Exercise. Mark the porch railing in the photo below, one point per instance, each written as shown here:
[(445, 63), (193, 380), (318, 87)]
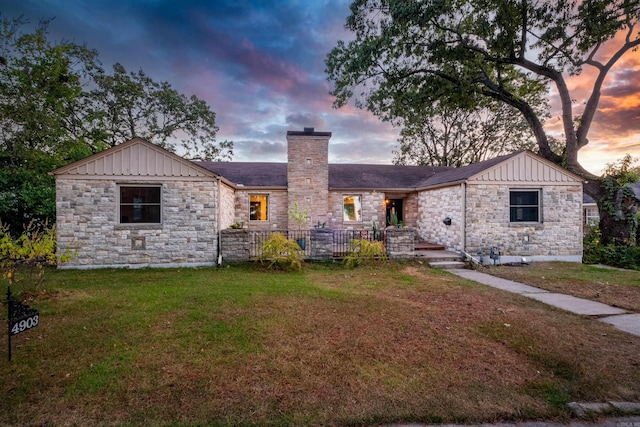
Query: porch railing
[(258, 237), (341, 240)]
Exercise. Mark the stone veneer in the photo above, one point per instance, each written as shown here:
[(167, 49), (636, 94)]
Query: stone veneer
[(400, 243), (277, 216), (87, 221), (372, 210), (557, 237), (433, 207), (308, 173), (227, 207)]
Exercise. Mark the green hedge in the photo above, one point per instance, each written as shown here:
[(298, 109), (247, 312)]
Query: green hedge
[(616, 256)]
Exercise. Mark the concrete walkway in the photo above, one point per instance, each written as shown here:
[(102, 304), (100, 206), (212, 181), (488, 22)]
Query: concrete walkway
[(619, 318)]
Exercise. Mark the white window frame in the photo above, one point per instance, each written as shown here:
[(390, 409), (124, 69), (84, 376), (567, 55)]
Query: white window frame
[(357, 208), (591, 215)]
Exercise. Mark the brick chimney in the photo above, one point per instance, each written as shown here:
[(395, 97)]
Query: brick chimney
[(308, 172)]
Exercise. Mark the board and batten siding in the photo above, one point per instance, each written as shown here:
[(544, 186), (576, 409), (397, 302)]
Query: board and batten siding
[(526, 169), (87, 211), (135, 158)]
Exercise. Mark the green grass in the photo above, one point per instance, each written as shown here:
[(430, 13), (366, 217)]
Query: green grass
[(323, 346)]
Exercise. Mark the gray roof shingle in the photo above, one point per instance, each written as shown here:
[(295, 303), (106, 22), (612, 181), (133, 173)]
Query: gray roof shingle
[(354, 176), (255, 174)]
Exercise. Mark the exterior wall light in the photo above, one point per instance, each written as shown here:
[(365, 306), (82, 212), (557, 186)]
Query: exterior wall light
[(447, 221)]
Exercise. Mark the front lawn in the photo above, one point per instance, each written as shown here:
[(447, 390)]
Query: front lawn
[(324, 346)]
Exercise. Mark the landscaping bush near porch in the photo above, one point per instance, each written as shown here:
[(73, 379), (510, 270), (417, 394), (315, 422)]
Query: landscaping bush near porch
[(321, 346)]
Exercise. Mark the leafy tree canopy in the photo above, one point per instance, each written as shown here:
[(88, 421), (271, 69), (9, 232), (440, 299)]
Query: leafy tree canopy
[(58, 105), (459, 52)]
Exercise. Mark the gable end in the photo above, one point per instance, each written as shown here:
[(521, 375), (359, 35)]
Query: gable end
[(526, 167), (136, 157)]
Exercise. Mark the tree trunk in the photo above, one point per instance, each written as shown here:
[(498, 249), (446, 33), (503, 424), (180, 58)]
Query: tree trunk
[(617, 206)]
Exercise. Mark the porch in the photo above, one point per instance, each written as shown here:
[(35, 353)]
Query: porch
[(328, 245)]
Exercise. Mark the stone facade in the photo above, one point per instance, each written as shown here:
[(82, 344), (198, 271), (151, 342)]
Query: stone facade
[(433, 207), (557, 236), (278, 217), (88, 222), (198, 205), (400, 243), (373, 210), (227, 206), (308, 173), (486, 222)]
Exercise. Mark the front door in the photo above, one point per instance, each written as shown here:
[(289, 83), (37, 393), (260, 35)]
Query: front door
[(394, 207)]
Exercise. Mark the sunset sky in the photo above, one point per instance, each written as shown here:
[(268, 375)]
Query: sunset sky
[(260, 66)]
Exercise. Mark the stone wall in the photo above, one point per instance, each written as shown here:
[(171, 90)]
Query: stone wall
[(372, 210), (227, 206), (400, 243), (433, 207), (88, 222), (308, 173), (321, 243), (278, 217), (557, 236), (235, 245)]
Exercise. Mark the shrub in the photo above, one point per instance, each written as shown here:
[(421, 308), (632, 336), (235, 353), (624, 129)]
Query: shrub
[(280, 252), (23, 260), (617, 256), (363, 252)]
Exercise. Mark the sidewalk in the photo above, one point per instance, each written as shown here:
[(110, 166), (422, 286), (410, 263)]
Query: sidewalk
[(619, 318), (632, 421)]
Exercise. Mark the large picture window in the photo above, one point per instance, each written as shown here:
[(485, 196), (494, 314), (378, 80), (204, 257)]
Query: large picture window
[(258, 207), (352, 208), (524, 205), (140, 205)]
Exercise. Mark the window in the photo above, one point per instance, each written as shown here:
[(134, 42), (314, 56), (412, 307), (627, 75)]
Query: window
[(352, 208), (258, 207), (591, 215), (140, 205), (524, 205)]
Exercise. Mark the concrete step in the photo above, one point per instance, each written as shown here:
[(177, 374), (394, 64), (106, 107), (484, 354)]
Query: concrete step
[(448, 265)]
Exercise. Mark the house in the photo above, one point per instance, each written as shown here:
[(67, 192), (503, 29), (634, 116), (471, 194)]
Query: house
[(138, 205), (590, 213)]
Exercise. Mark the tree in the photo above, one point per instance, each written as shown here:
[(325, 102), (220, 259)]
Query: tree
[(458, 52), (127, 105), (57, 105), (40, 85), (456, 137)]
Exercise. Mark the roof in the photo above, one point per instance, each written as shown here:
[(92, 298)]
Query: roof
[(464, 172), (364, 176), (250, 174), (380, 177)]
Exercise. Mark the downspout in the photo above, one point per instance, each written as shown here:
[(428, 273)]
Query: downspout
[(219, 219), (463, 216)]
